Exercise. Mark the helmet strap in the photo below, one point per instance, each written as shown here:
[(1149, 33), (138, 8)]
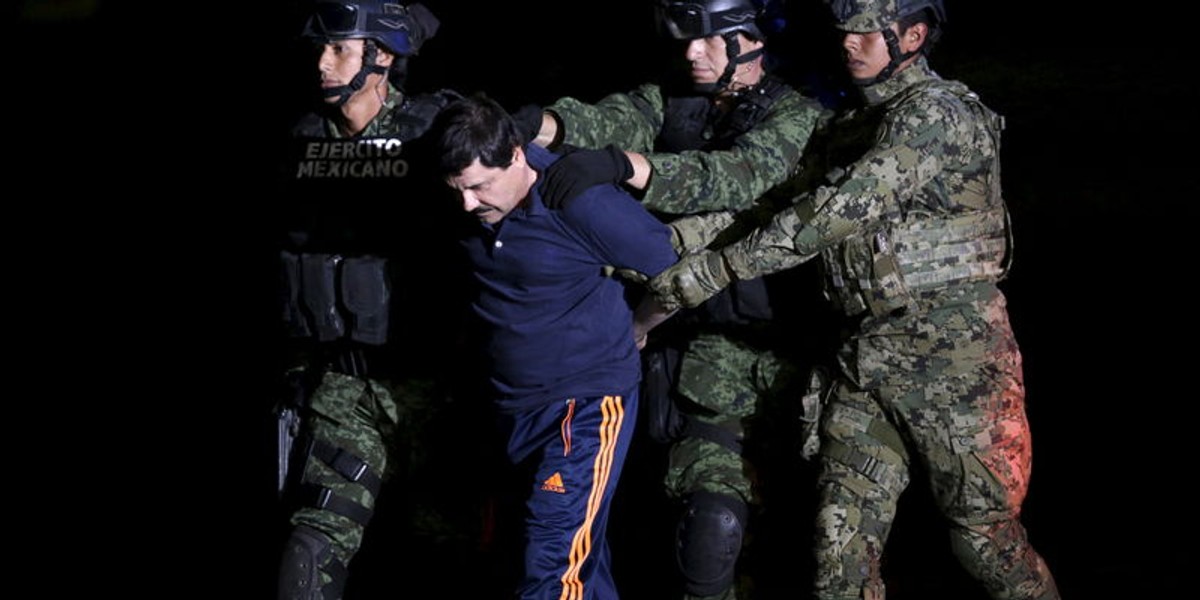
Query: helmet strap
[(895, 57), (733, 51), (343, 92)]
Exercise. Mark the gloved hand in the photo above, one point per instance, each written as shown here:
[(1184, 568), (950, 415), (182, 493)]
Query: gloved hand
[(693, 232), (694, 279), (529, 121), (580, 169)]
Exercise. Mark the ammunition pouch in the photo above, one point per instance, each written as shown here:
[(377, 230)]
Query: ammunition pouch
[(330, 297)]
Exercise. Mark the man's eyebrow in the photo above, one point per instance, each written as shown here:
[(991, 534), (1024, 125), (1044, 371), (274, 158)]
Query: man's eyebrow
[(479, 183)]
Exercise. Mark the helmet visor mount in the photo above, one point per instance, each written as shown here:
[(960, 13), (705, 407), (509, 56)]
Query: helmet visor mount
[(686, 21), (691, 20), (337, 20)]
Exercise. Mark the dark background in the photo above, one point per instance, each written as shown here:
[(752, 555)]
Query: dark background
[(149, 249)]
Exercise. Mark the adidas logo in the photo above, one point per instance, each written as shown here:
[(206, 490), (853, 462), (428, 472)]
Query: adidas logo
[(554, 484)]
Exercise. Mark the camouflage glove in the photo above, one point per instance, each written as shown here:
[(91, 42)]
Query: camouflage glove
[(694, 233), (581, 169), (694, 279)]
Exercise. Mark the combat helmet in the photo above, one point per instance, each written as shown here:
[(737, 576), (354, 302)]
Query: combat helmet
[(868, 16), (865, 16), (703, 18), (691, 20), (398, 29)]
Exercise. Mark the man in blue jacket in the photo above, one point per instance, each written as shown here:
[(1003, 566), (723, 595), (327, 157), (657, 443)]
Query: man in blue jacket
[(556, 334)]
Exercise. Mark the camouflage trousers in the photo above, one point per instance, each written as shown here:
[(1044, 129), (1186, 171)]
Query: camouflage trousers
[(727, 384), (363, 419), (958, 418)]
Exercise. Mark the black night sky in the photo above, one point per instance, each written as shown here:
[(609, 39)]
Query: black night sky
[(1099, 175)]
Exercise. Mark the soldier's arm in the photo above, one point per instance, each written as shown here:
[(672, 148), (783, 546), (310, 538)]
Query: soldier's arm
[(767, 155), (628, 121), (910, 153), (913, 148)]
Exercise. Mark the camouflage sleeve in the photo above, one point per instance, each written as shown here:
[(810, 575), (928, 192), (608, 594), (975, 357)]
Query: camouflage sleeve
[(628, 121), (695, 181), (917, 140)]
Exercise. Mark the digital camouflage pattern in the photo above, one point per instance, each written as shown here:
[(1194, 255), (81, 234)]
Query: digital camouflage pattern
[(935, 383), (865, 16), (942, 391), (936, 157), (694, 233), (390, 426), (360, 416), (695, 181), (724, 382), (391, 418), (737, 388)]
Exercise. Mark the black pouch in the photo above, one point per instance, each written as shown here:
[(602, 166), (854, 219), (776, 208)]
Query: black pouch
[(660, 368)]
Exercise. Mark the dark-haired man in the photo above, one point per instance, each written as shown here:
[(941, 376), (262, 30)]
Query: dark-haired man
[(556, 336)]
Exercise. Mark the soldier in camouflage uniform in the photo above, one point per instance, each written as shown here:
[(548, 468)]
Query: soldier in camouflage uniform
[(912, 232), (365, 398), (720, 140)]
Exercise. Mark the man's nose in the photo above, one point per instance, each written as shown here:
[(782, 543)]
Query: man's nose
[(325, 62), (469, 201), (852, 42)]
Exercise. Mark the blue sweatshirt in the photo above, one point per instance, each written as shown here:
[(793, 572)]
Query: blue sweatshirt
[(553, 325)]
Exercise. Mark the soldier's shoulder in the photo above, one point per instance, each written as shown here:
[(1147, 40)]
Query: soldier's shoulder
[(943, 95), (797, 101), (934, 102), (413, 117)]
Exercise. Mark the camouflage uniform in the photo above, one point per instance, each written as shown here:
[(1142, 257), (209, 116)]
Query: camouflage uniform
[(912, 233), (359, 416), (372, 408), (694, 181), (726, 373)]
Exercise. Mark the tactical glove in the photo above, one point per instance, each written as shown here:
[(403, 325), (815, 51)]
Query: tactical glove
[(529, 121), (689, 282), (695, 232), (580, 169)]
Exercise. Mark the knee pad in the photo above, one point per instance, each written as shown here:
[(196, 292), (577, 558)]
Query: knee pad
[(306, 555), (708, 542)]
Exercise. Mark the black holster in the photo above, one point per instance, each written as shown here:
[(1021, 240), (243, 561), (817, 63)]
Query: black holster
[(660, 369)]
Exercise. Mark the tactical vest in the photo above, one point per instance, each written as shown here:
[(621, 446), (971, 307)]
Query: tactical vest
[(885, 270), (353, 207), (694, 123)]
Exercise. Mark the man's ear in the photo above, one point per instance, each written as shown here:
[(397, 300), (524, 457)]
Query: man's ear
[(384, 58), (746, 44), (914, 37)]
